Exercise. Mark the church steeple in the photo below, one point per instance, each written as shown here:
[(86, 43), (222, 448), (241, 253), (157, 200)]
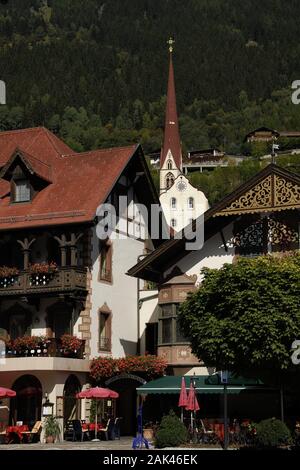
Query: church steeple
[(171, 134)]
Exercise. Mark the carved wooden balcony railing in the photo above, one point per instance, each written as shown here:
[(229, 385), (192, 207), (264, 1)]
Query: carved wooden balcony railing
[(64, 279)]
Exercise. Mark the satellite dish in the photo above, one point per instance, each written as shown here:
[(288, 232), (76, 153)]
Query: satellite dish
[(2, 92)]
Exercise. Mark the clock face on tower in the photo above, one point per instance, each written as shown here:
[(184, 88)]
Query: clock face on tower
[(181, 186)]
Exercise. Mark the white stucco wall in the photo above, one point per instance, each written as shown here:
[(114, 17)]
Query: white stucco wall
[(212, 255), (182, 213), (120, 296)]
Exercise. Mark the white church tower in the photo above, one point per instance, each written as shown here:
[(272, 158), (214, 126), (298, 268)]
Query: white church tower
[(181, 202)]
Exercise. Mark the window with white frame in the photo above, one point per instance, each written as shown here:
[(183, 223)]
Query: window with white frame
[(173, 202), (173, 223)]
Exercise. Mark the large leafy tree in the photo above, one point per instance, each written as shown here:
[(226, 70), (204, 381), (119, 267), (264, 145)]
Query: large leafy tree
[(245, 316)]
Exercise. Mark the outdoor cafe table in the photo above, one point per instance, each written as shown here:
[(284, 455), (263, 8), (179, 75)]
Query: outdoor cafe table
[(219, 430), (16, 430), (92, 426)]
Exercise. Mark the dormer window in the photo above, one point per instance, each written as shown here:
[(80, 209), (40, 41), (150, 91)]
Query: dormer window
[(27, 176), (21, 190)]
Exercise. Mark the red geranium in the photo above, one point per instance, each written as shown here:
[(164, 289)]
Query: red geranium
[(70, 344), (105, 367)]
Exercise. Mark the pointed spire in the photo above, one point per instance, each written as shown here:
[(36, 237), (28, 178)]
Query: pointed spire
[(171, 134)]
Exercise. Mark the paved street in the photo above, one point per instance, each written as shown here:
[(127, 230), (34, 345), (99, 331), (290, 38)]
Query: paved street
[(124, 443)]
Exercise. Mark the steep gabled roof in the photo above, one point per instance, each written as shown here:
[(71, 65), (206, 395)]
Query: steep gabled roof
[(79, 182), (271, 189)]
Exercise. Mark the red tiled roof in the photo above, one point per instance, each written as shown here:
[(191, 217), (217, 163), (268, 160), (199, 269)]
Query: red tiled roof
[(80, 181)]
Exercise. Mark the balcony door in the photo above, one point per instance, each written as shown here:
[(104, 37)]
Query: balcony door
[(16, 321), (59, 319), (17, 326)]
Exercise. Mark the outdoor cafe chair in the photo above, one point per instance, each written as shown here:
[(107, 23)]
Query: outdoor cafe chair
[(116, 430), (207, 436), (108, 430), (34, 434), (78, 432), (69, 433)]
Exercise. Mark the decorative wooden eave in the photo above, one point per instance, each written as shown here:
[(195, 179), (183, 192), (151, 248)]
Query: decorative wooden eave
[(273, 189)]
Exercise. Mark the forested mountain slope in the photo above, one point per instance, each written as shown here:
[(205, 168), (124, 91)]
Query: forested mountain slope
[(95, 71)]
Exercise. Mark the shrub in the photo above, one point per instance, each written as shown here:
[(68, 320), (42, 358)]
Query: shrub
[(171, 432), (272, 433)]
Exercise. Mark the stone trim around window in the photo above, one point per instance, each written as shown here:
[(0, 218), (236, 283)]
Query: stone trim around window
[(105, 273), (105, 342)]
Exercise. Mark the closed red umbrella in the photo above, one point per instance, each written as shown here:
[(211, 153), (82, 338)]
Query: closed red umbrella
[(7, 393), (97, 393), (182, 403), (192, 403)]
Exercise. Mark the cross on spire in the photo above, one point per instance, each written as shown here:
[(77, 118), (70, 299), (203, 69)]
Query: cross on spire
[(171, 42)]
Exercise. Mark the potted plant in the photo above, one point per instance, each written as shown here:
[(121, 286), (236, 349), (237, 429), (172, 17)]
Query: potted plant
[(52, 429), (149, 431)]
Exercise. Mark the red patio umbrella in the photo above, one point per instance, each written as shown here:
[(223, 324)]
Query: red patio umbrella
[(7, 393), (97, 393), (182, 403), (192, 403)]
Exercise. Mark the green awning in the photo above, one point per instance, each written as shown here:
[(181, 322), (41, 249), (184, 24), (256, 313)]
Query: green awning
[(205, 384)]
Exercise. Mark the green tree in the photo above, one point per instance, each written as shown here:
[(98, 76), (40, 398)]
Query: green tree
[(245, 316)]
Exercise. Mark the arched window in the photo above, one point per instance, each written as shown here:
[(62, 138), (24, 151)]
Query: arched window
[(169, 165), (173, 202), (173, 223), (169, 180), (191, 203)]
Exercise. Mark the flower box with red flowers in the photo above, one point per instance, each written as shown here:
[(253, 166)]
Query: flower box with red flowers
[(27, 346), (8, 276), (42, 273), (70, 346)]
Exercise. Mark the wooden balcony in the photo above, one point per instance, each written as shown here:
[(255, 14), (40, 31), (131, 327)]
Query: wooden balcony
[(63, 280)]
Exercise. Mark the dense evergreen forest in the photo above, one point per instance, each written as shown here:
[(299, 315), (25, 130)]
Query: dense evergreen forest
[(95, 71)]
